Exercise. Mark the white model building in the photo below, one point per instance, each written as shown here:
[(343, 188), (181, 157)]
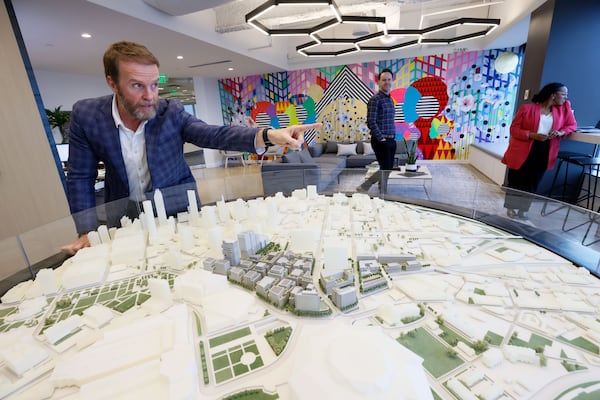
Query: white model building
[(261, 268), (236, 274), (186, 237), (460, 390), (305, 239), (28, 308), (249, 243), (231, 251), (295, 275), (278, 295), (516, 354), (373, 281), (83, 273), (47, 280), (330, 279), (277, 271), (492, 392), (423, 288), (128, 247), (368, 266), (221, 267), (343, 297), (62, 328), (263, 286), (393, 314), (465, 349), (379, 368), (209, 264), (160, 296), (471, 377), (193, 205), (335, 254), (173, 259), (307, 300), (293, 293), (159, 204), (97, 316), (286, 283), (22, 354), (156, 360), (250, 278), (464, 324), (196, 284)]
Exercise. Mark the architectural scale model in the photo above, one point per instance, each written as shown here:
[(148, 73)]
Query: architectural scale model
[(303, 297)]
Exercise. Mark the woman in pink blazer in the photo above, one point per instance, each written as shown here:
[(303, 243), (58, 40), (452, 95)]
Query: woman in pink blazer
[(535, 135)]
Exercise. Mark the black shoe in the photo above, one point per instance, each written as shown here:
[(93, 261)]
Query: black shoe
[(511, 213), (361, 189), (523, 215)]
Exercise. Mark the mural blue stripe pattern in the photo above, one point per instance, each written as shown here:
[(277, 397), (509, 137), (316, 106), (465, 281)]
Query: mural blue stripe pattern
[(427, 106)]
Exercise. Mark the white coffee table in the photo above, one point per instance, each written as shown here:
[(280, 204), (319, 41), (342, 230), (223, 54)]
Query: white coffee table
[(421, 177)]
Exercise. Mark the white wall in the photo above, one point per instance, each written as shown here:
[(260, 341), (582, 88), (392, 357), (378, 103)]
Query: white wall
[(208, 109), (208, 102), (60, 89)]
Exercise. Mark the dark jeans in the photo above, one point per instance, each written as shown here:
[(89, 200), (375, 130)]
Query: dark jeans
[(528, 177), (384, 152)]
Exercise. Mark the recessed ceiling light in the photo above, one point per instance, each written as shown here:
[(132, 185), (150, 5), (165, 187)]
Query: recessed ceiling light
[(86, 35), (180, 57), (230, 69)]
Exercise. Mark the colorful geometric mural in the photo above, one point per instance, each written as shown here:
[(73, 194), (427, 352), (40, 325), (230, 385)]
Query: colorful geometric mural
[(446, 102)]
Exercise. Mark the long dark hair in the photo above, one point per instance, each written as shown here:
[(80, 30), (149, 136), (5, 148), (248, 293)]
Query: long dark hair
[(546, 92)]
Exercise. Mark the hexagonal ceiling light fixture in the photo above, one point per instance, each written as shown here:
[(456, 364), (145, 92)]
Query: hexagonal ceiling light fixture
[(350, 44), (414, 37), (491, 23), (255, 16), (362, 43)]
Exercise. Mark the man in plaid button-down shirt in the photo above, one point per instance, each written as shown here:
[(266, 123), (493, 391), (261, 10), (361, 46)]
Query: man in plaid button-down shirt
[(380, 120)]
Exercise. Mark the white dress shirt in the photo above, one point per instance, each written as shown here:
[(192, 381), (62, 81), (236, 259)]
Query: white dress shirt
[(133, 148)]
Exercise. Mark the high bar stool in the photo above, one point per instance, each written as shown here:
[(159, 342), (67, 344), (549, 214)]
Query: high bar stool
[(591, 168), (566, 157)]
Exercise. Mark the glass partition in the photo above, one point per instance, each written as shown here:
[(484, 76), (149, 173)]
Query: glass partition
[(563, 228)]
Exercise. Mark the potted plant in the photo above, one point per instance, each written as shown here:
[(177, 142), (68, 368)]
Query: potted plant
[(411, 160), (57, 119)]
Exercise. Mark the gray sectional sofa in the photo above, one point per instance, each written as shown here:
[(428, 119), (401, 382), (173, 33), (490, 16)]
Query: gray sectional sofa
[(320, 164)]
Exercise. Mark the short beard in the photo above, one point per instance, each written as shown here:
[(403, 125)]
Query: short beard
[(131, 109)]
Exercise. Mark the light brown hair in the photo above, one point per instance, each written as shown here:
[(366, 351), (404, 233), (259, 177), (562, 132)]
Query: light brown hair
[(126, 51)]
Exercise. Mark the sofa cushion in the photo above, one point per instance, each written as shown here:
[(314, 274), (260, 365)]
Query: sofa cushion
[(331, 147), (316, 149), (291, 157), (346, 149), (367, 149), (359, 147), (305, 157)]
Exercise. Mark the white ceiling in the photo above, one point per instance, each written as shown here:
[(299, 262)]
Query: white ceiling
[(211, 40)]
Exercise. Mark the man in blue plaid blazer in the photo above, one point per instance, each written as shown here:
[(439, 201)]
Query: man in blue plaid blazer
[(140, 138)]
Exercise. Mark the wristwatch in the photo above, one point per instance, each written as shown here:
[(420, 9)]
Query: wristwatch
[(265, 137)]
